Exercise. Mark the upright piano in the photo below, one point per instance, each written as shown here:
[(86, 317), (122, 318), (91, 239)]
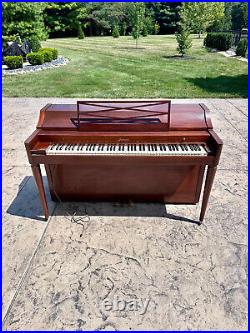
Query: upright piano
[(120, 150)]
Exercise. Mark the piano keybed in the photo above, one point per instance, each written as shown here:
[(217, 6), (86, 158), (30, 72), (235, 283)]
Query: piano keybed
[(159, 149)]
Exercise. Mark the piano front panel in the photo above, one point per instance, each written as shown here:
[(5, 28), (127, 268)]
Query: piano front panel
[(130, 181)]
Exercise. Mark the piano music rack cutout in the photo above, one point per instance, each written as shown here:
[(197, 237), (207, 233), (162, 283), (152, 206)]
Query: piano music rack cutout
[(121, 115)]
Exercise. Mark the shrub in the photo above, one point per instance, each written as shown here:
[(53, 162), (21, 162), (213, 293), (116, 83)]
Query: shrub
[(80, 33), (115, 32), (220, 40), (52, 50), (13, 62), (47, 54), (35, 58), (34, 43), (241, 49)]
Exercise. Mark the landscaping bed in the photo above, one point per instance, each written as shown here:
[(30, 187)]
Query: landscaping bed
[(28, 68)]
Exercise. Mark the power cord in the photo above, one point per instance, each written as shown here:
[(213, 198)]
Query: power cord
[(80, 220)]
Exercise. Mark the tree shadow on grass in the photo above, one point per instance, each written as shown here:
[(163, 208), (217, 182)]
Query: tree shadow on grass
[(179, 57), (233, 85), (131, 48)]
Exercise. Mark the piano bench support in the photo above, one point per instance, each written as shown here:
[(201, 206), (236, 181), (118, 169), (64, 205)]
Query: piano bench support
[(39, 182), (207, 189)]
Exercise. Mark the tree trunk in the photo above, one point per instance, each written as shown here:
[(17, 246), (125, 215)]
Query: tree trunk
[(136, 42)]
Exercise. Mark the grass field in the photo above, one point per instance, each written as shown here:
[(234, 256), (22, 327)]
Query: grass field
[(107, 67)]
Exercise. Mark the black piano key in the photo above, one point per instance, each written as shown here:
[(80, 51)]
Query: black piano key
[(53, 146)]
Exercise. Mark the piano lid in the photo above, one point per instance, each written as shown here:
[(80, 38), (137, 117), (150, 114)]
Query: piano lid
[(124, 115)]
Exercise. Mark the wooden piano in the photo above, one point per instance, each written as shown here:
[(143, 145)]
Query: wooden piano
[(139, 150)]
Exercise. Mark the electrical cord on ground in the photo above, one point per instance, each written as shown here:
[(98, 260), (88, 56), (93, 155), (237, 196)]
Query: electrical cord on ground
[(80, 220)]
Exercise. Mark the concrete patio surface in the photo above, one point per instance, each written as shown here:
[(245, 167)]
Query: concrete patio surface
[(57, 275)]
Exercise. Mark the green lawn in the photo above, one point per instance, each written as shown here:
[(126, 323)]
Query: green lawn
[(108, 67)]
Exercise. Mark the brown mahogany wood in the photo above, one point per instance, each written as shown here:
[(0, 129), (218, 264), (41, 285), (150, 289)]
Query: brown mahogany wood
[(181, 117), (169, 179)]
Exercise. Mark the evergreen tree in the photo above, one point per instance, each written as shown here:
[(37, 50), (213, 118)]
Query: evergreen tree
[(123, 28), (239, 15), (80, 32), (166, 14), (115, 32), (183, 40)]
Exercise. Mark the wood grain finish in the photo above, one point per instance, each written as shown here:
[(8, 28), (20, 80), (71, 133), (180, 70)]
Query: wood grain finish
[(169, 179)]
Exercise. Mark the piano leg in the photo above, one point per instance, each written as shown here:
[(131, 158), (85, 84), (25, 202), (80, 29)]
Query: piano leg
[(207, 189), (39, 182)]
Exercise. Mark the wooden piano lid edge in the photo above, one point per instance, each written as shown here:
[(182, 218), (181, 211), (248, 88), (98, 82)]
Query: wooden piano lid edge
[(207, 116), (42, 115)]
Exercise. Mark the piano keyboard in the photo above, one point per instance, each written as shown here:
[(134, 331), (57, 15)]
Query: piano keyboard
[(128, 149)]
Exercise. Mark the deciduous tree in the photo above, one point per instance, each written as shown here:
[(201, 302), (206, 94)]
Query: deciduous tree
[(24, 19), (136, 11), (199, 15)]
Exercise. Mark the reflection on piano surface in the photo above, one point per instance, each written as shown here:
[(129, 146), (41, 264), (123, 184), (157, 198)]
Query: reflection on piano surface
[(146, 150)]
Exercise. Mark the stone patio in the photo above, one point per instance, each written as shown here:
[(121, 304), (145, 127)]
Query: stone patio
[(57, 275)]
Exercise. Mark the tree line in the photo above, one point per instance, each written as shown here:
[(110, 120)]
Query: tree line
[(67, 19)]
